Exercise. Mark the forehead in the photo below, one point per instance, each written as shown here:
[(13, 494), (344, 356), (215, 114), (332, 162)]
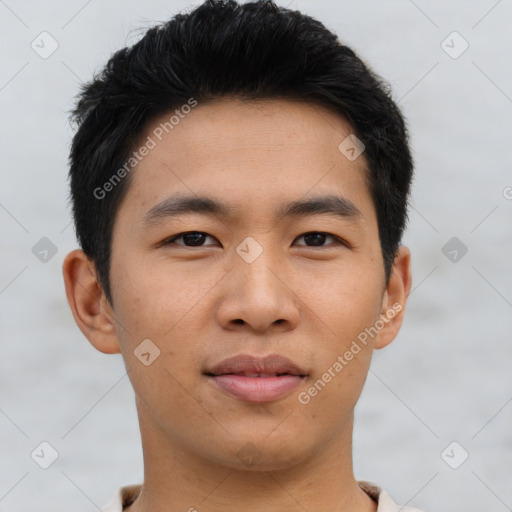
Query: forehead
[(265, 124), (250, 151)]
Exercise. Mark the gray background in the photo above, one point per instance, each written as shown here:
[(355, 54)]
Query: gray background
[(445, 378)]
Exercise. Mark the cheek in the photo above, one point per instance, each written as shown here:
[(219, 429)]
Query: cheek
[(156, 304), (164, 303), (347, 300), (155, 299), (344, 348)]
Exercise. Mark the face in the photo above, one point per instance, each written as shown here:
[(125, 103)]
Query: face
[(256, 274)]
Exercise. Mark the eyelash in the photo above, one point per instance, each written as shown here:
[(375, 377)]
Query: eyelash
[(171, 240)]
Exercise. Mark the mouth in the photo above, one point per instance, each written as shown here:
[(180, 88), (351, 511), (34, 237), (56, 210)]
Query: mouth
[(256, 379)]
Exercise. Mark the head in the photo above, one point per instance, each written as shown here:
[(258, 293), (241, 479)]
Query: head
[(283, 156)]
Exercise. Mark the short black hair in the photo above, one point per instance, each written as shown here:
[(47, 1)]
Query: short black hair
[(222, 49)]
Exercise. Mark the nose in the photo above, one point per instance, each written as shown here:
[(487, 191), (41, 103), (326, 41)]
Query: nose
[(259, 296)]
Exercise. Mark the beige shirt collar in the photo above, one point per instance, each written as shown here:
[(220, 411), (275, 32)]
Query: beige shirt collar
[(127, 494)]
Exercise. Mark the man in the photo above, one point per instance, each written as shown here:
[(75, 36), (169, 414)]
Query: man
[(239, 181)]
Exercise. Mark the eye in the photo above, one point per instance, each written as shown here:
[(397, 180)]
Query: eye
[(317, 239), (190, 239), (197, 239)]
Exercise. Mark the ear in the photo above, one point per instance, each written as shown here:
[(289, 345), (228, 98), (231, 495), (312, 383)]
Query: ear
[(394, 299), (92, 312)]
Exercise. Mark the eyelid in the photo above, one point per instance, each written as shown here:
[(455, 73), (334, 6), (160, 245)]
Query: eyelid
[(337, 240), (171, 239)]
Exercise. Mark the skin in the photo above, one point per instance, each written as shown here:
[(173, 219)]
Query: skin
[(303, 299)]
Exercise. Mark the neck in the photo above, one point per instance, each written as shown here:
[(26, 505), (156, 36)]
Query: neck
[(176, 479)]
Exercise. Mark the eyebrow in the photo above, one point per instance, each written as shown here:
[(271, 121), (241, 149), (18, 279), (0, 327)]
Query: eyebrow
[(182, 205)]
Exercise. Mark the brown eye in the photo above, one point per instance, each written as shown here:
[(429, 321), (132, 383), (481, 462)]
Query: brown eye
[(189, 239), (318, 238)]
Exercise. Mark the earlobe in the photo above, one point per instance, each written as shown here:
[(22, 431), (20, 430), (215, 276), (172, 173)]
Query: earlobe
[(395, 298), (86, 298)]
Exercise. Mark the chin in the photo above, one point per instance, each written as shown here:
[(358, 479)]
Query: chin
[(262, 454)]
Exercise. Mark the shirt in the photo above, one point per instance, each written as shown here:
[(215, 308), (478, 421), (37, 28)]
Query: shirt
[(127, 494)]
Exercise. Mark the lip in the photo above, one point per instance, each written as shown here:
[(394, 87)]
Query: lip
[(238, 376)]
